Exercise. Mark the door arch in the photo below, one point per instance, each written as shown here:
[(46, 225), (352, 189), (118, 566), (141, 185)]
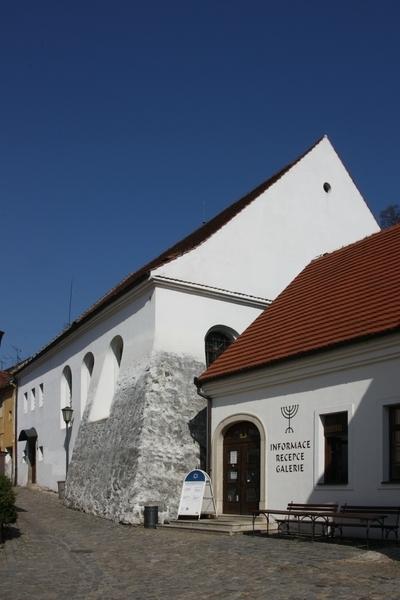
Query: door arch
[(30, 437), (217, 457), (241, 468)]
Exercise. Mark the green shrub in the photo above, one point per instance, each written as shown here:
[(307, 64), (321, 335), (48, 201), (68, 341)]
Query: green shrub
[(8, 511)]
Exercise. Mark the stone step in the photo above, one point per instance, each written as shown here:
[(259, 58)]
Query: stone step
[(233, 519), (199, 529), (226, 524)]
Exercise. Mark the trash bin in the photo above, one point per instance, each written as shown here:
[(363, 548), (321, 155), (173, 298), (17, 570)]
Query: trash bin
[(61, 489), (150, 516)]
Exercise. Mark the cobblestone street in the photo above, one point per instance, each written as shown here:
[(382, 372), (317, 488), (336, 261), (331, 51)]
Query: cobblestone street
[(57, 553)]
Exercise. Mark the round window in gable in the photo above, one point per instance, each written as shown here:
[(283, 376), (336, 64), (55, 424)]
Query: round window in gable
[(327, 187)]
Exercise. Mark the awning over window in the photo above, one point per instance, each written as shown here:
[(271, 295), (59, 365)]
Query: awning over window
[(27, 434)]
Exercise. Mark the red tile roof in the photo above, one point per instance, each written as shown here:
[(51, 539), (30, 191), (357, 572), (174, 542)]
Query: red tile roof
[(188, 243), (345, 296), (4, 379)]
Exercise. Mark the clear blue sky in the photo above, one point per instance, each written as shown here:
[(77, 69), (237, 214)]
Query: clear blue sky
[(124, 124)]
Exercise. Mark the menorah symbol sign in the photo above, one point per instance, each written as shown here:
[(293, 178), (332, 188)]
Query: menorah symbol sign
[(289, 412)]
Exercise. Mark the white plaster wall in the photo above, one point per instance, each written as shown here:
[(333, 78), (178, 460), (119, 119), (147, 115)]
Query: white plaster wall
[(134, 322), (364, 391), (183, 319), (268, 243)]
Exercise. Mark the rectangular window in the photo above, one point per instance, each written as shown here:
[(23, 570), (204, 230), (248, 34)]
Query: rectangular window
[(336, 448), (25, 402), (394, 443)]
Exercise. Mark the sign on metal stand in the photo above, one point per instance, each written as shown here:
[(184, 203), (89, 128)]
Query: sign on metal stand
[(197, 496)]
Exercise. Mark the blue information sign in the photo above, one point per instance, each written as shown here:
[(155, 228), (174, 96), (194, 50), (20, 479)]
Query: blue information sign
[(196, 496)]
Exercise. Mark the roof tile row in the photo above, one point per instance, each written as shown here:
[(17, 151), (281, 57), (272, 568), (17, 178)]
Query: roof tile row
[(338, 298)]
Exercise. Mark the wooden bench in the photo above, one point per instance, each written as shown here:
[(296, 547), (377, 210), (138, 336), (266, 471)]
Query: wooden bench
[(300, 514), (387, 526), (308, 513)]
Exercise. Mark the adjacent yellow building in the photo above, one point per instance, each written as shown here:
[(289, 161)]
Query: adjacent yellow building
[(7, 429)]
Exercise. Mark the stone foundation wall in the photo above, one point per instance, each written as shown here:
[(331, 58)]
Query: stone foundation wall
[(155, 433)]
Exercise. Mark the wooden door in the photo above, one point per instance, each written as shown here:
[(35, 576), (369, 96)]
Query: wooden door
[(241, 471), (32, 460)]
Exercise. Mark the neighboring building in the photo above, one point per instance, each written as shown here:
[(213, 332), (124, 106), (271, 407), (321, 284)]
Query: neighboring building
[(7, 430), (306, 402), (127, 365)]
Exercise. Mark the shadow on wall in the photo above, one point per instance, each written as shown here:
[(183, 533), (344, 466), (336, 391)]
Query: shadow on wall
[(352, 449), (366, 443), (353, 461), (351, 430), (198, 431)]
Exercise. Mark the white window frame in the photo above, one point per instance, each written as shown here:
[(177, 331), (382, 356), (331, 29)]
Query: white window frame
[(33, 398), (384, 447), (319, 454)]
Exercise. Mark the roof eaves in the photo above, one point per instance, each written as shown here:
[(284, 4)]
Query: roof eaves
[(86, 316), (185, 245), (301, 354), (197, 237)]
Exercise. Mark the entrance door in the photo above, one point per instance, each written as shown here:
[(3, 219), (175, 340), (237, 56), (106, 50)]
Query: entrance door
[(241, 469), (32, 460)]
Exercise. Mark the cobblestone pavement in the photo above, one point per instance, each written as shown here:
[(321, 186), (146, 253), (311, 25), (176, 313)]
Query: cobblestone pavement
[(63, 554)]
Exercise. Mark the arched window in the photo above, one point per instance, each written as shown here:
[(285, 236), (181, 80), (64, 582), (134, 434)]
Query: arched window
[(86, 376), (108, 380), (117, 348), (66, 387), (66, 391), (217, 340)]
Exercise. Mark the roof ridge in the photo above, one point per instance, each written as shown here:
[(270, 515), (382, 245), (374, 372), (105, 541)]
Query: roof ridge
[(214, 224), (186, 244)]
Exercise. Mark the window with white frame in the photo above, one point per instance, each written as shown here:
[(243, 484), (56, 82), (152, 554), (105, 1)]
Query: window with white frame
[(86, 377), (33, 398), (336, 454), (394, 443)]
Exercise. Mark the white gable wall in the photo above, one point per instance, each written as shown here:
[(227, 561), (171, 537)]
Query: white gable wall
[(269, 242), (183, 320)]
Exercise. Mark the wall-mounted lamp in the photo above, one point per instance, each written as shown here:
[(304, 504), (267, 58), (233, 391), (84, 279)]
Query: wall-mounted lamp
[(67, 413)]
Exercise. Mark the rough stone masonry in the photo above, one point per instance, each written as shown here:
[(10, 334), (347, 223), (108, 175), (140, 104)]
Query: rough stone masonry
[(155, 434)]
